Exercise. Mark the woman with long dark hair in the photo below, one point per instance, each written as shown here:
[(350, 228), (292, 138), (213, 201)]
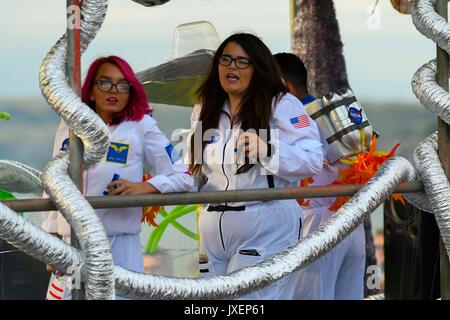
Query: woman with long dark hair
[(249, 133)]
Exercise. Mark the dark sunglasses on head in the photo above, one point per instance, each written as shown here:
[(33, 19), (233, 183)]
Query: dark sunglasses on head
[(106, 86), (239, 62)]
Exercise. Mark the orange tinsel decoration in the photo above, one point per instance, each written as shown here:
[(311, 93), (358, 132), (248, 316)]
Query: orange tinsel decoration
[(149, 213), (304, 183), (362, 167)]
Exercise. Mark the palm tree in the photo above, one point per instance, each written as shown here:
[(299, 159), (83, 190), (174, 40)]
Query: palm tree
[(317, 41)]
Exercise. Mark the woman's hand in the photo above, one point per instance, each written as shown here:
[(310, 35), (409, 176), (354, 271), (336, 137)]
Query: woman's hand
[(124, 187), (251, 145)]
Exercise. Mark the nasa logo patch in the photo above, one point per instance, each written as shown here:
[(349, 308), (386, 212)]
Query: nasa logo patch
[(355, 115)]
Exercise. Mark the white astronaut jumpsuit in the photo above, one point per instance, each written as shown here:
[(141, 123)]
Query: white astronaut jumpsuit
[(236, 235), (133, 143), (339, 275)]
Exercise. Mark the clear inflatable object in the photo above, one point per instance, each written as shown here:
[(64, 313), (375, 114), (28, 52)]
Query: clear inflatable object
[(193, 36)]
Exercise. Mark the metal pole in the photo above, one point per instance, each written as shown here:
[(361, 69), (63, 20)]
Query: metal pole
[(31, 205), (74, 78), (443, 145)]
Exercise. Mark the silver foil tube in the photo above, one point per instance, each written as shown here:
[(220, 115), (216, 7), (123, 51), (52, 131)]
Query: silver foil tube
[(323, 239), (86, 224), (94, 133), (430, 94), (34, 241), (437, 100), (96, 139), (424, 85), (428, 22), (304, 252), (437, 188), (55, 88)]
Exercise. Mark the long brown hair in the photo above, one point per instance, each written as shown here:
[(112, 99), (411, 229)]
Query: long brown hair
[(256, 105)]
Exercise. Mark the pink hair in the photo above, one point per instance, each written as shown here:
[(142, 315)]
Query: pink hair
[(137, 105)]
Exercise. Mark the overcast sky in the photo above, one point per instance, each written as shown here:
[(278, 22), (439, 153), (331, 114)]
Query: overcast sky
[(380, 60)]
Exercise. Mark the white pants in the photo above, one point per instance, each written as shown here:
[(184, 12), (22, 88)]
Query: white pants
[(339, 275), (232, 240), (127, 253)]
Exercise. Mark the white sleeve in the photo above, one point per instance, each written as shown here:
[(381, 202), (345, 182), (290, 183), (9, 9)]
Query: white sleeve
[(171, 175), (53, 221), (295, 140)]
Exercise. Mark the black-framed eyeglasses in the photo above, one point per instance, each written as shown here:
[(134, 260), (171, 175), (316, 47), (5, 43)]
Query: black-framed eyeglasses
[(239, 62), (106, 86)]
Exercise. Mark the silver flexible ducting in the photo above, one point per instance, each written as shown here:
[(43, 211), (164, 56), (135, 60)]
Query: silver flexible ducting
[(346, 219), (424, 85), (437, 100), (85, 222), (430, 23), (34, 241), (94, 134), (55, 88), (331, 232), (426, 160), (429, 93)]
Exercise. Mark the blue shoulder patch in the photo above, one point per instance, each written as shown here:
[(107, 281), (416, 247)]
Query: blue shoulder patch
[(172, 153)]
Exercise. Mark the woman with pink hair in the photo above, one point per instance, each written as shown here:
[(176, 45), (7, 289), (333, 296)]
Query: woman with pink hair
[(112, 90)]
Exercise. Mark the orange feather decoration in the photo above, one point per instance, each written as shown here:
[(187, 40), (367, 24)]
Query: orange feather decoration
[(361, 168), (149, 213)]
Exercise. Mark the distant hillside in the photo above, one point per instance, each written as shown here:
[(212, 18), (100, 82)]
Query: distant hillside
[(28, 136), (398, 122)]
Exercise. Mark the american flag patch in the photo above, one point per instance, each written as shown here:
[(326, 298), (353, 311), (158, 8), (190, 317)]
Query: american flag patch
[(300, 122)]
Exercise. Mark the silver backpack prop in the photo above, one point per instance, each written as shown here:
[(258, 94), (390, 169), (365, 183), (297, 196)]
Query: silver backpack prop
[(344, 127)]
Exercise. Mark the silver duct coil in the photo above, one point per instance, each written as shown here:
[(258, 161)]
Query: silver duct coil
[(347, 218), (95, 136), (437, 100)]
